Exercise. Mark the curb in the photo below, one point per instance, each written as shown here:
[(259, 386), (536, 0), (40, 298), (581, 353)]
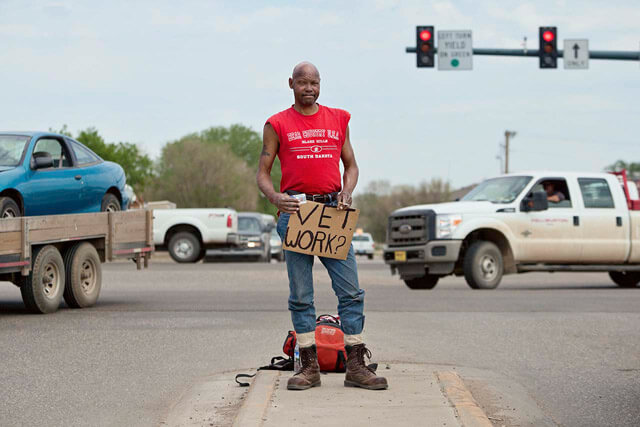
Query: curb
[(255, 405), (471, 415)]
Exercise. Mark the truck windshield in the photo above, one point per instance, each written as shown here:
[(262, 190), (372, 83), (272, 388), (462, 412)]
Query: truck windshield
[(498, 190), (249, 224), (11, 148)]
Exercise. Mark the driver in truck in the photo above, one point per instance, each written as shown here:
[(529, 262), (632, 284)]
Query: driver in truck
[(553, 195)]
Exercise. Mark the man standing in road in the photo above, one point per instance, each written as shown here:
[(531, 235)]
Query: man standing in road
[(310, 140)]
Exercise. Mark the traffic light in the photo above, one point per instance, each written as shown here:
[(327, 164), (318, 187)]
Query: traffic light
[(424, 46), (548, 47)]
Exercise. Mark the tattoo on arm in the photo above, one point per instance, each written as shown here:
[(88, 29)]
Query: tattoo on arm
[(265, 152)]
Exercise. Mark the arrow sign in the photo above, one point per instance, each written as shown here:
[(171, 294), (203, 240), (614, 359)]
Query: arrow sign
[(576, 54)]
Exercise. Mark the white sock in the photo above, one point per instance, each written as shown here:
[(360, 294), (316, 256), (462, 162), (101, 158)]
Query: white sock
[(353, 339), (306, 340)]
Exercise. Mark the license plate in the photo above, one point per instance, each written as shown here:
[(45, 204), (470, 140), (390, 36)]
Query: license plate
[(400, 255)]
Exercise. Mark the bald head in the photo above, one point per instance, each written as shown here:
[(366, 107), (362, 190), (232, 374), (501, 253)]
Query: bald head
[(305, 83), (305, 68)]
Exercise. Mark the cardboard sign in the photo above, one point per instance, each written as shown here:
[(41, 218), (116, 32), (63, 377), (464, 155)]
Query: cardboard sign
[(321, 230)]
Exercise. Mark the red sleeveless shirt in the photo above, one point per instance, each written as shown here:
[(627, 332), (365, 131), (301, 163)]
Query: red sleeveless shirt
[(310, 148)]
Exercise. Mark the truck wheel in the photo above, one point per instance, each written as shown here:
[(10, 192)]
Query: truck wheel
[(110, 203), (203, 253), (625, 279), (9, 208), (184, 247), (42, 290), (83, 275), (428, 281), (483, 266)]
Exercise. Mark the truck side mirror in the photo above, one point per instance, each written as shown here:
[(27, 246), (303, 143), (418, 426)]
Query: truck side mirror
[(535, 202)]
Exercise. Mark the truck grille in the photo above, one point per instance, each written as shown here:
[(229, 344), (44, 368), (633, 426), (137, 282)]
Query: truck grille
[(410, 228)]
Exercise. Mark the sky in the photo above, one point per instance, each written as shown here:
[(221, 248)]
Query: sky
[(149, 72)]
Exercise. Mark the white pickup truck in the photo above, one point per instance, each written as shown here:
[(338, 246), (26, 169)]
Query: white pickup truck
[(188, 233), (538, 221)]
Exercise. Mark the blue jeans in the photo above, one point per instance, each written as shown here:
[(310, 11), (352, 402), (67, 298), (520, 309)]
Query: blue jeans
[(344, 280)]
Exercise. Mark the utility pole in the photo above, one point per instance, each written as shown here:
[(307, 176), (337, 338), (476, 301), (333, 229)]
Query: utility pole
[(507, 134)]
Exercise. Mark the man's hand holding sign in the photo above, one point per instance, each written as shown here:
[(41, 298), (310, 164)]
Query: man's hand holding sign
[(318, 229)]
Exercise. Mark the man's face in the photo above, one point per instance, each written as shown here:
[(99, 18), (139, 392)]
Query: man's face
[(306, 86), (549, 188)]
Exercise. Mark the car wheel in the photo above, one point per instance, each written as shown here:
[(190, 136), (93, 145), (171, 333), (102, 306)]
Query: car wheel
[(42, 290), (625, 279), (281, 256), (83, 276), (9, 208), (110, 203), (370, 256), (428, 281), (483, 265), (184, 247)]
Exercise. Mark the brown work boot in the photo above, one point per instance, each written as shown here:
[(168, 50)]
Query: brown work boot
[(309, 375), (358, 373)]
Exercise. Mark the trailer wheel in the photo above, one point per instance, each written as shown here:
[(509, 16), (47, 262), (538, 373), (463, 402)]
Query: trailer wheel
[(428, 281), (184, 247), (42, 290), (625, 279), (483, 265), (83, 275)]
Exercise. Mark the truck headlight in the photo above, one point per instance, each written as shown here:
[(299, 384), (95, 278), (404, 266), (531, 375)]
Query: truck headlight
[(254, 242), (446, 225)]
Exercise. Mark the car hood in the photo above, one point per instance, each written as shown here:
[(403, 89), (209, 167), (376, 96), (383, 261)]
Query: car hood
[(249, 233), (455, 207)]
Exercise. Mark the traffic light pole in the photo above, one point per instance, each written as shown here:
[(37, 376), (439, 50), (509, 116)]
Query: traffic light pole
[(617, 55)]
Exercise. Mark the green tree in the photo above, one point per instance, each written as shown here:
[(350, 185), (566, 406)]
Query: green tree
[(380, 199), (246, 144), (633, 168), (194, 174), (137, 166)]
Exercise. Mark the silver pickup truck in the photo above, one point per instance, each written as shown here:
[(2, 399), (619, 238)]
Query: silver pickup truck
[(516, 223)]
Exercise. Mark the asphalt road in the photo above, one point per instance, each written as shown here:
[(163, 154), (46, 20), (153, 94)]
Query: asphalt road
[(572, 341)]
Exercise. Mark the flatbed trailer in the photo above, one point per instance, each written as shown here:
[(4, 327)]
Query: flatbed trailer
[(59, 256)]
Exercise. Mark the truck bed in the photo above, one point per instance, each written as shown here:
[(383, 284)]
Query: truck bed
[(127, 234)]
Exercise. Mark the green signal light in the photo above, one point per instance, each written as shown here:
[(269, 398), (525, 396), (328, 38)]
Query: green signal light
[(455, 62)]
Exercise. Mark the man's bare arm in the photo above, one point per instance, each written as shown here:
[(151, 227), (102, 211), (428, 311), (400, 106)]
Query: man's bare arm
[(283, 202), (351, 172)]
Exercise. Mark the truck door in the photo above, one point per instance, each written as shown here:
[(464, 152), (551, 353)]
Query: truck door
[(604, 223), (550, 236)]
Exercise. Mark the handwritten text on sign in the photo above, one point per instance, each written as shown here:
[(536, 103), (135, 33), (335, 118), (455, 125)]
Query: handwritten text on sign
[(318, 229)]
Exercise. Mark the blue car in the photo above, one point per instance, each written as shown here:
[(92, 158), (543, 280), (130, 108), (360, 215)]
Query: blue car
[(43, 173)]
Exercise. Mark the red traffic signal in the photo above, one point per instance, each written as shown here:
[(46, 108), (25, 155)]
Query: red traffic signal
[(548, 51), (425, 48), (425, 35)]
